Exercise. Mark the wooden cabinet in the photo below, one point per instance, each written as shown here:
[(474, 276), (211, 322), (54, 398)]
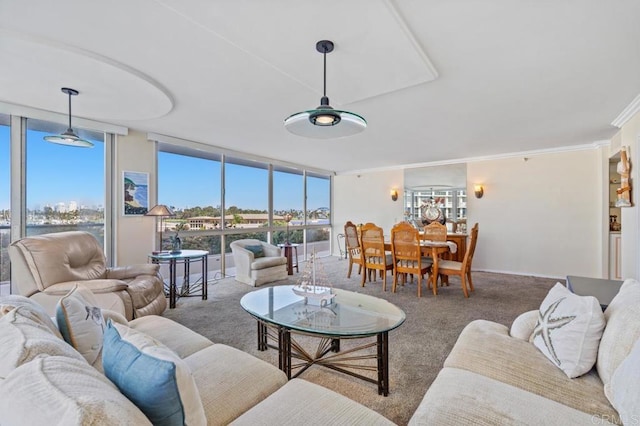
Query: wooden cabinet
[(461, 242)]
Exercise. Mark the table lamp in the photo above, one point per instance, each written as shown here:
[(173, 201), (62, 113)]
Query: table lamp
[(161, 211)]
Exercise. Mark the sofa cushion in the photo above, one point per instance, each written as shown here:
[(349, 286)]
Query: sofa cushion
[(485, 348), (303, 403), (257, 250), (230, 381), (154, 378), (624, 389), (180, 339), (81, 323), (24, 337), (64, 391), (622, 330), (7, 303), (568, 330), (267, 262), (460, 397)]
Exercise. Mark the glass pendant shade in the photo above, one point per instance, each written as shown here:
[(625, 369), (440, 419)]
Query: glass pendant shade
[(300, 124), (69, 137), (324, 122)]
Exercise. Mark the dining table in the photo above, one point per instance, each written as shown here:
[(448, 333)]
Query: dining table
[(435, 249)]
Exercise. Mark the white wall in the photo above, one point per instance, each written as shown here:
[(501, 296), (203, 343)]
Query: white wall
[(540, 216), (134, 234), (366, 198)]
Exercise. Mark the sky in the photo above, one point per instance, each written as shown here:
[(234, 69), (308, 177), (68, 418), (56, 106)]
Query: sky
[(57, 173)]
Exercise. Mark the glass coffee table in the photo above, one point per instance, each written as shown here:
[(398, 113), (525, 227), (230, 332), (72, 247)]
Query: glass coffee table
[(281, 313)]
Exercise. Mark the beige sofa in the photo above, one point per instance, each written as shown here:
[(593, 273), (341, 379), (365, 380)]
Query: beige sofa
[(46, 267), (257, 270), (43, 380), (494, 376)]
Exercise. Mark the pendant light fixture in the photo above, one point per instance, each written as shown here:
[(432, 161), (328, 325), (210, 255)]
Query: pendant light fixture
[(69, 137), (324, 122)]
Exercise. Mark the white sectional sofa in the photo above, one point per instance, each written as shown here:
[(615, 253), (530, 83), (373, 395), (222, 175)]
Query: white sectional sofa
[(44, 380), (495, 376)]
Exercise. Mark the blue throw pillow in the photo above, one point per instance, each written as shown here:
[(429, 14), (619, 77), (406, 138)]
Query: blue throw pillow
[(151, 376), (257, 250)]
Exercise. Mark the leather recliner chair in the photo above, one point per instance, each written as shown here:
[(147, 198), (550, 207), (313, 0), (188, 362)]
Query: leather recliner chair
[(46, 267)]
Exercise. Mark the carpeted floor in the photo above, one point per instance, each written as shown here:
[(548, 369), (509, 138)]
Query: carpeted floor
[(417, 348)]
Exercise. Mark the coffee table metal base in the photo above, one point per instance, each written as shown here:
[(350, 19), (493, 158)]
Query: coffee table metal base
[(327, 354)]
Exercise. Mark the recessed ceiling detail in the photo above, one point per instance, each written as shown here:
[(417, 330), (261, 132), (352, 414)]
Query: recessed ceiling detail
[(110, 90), (367, 61)]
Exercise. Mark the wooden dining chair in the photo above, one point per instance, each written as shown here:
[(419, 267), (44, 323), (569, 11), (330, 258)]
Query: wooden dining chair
[(373, 253), (462, 269), (407, 255), (435, 231), (353, 247)]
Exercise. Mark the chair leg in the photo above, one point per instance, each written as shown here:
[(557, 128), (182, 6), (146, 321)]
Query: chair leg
[(470, 282), (350, 266), (420, 285), (384, 280), (395, 281), (363, 277), (464, 284)]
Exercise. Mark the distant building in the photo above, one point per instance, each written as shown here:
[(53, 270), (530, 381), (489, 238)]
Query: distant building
[(73, 206), (246, 220)]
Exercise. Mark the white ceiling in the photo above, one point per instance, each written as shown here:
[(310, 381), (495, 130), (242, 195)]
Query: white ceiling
[(436, 80)]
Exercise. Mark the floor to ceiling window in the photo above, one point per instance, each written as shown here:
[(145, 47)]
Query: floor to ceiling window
[(318, 214), (190, 186), (65, 185), (288, 205), (246, 200), (5, 203), (190, 181)]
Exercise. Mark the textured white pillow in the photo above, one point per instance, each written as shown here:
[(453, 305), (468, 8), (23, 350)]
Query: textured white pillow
[(9, 302), (62, 391), (80, 322), (568, 330), (23, 338), (624, 390), (152, 376)]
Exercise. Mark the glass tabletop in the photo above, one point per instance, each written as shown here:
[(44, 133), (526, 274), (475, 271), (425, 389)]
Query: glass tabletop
[(350, 315), (184, 254)]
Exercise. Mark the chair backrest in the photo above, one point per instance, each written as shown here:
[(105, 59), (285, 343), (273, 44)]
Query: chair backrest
[(468, 256), (351, 237), (405, 245), (435, 231), (372, 243), (43, 260)]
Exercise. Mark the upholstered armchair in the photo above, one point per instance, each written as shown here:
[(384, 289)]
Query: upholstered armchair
[(46, 267), (258, 262)]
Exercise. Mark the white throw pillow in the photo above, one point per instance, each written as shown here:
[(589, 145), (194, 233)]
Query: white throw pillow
[(152, 376), (24, 337), (62, 391), (624, 390), (568, 330), (80, 322)]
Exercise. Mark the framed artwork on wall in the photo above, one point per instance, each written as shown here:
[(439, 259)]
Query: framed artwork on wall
[(135, 192)]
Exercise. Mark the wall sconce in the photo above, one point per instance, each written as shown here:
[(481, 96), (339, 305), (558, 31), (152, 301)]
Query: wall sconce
[(394, 194), (478, 190)]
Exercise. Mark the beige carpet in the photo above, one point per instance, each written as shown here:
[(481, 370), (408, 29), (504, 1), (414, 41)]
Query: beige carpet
[(417, 349)]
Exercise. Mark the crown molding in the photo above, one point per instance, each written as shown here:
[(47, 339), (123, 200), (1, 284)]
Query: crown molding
[(632, 109)]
